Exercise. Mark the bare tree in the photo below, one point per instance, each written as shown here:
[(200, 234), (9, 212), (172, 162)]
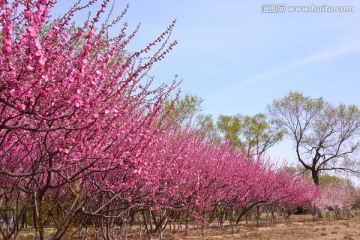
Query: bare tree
[(326, 137)]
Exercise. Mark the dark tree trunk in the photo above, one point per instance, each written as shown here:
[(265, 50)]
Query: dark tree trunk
[(315, 176)]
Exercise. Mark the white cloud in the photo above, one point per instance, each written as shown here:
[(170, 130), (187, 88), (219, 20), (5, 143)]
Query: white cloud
[(329, 54)]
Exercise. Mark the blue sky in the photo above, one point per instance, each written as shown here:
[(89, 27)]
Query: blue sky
[(238, 59)]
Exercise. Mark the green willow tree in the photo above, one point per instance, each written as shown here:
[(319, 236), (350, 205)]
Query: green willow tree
[(255, 134), (260, 133), (205, 123), (183, 108), (326, 137), (230, 127)]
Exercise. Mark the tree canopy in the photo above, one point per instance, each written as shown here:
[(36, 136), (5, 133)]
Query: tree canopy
[(325, 136), (253, 134)]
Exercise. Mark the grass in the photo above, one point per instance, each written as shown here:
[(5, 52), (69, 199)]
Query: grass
[(348, 237), (346, 224)]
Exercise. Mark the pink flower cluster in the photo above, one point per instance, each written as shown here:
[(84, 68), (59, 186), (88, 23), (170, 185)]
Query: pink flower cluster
[(336, 198), (79, 121)]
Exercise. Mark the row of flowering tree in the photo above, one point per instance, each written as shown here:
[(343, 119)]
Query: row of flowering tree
[(76, 112), (337, 198), (87, 141)]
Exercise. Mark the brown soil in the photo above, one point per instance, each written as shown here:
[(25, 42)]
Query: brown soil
[(301, 227)]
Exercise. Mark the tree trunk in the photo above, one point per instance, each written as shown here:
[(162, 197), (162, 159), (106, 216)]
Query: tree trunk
[(315, 176), (126, 228), (187, 224), (350, 213), (203, 226), (68, 219), (96, 235), (39, 214), (148, 224), (23, 218), (232, 219), (160, 225)]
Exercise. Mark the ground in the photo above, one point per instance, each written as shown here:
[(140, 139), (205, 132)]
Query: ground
[(301, 227)]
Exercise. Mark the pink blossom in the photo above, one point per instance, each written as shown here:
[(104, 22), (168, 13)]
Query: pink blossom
[(31, 30), (3, 3), (27, 14), (22, 106), (29, 68), (87, 47), (42, 61)]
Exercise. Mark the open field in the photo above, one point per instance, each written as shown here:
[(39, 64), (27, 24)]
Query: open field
[(300, 227), (333, 230)]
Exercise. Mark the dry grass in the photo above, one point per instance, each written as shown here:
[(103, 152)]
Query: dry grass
[(301, 227)]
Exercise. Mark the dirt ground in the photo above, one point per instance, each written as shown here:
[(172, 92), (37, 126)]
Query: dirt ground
[(301, 227)]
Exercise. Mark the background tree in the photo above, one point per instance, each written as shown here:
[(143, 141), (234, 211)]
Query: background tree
[(260, 134), (230, 127), (205, 123), (255, 134), (325, 179), (326, 137), (184, 108)]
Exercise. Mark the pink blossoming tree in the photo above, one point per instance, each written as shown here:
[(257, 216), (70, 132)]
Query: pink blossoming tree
[(85, 137)]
